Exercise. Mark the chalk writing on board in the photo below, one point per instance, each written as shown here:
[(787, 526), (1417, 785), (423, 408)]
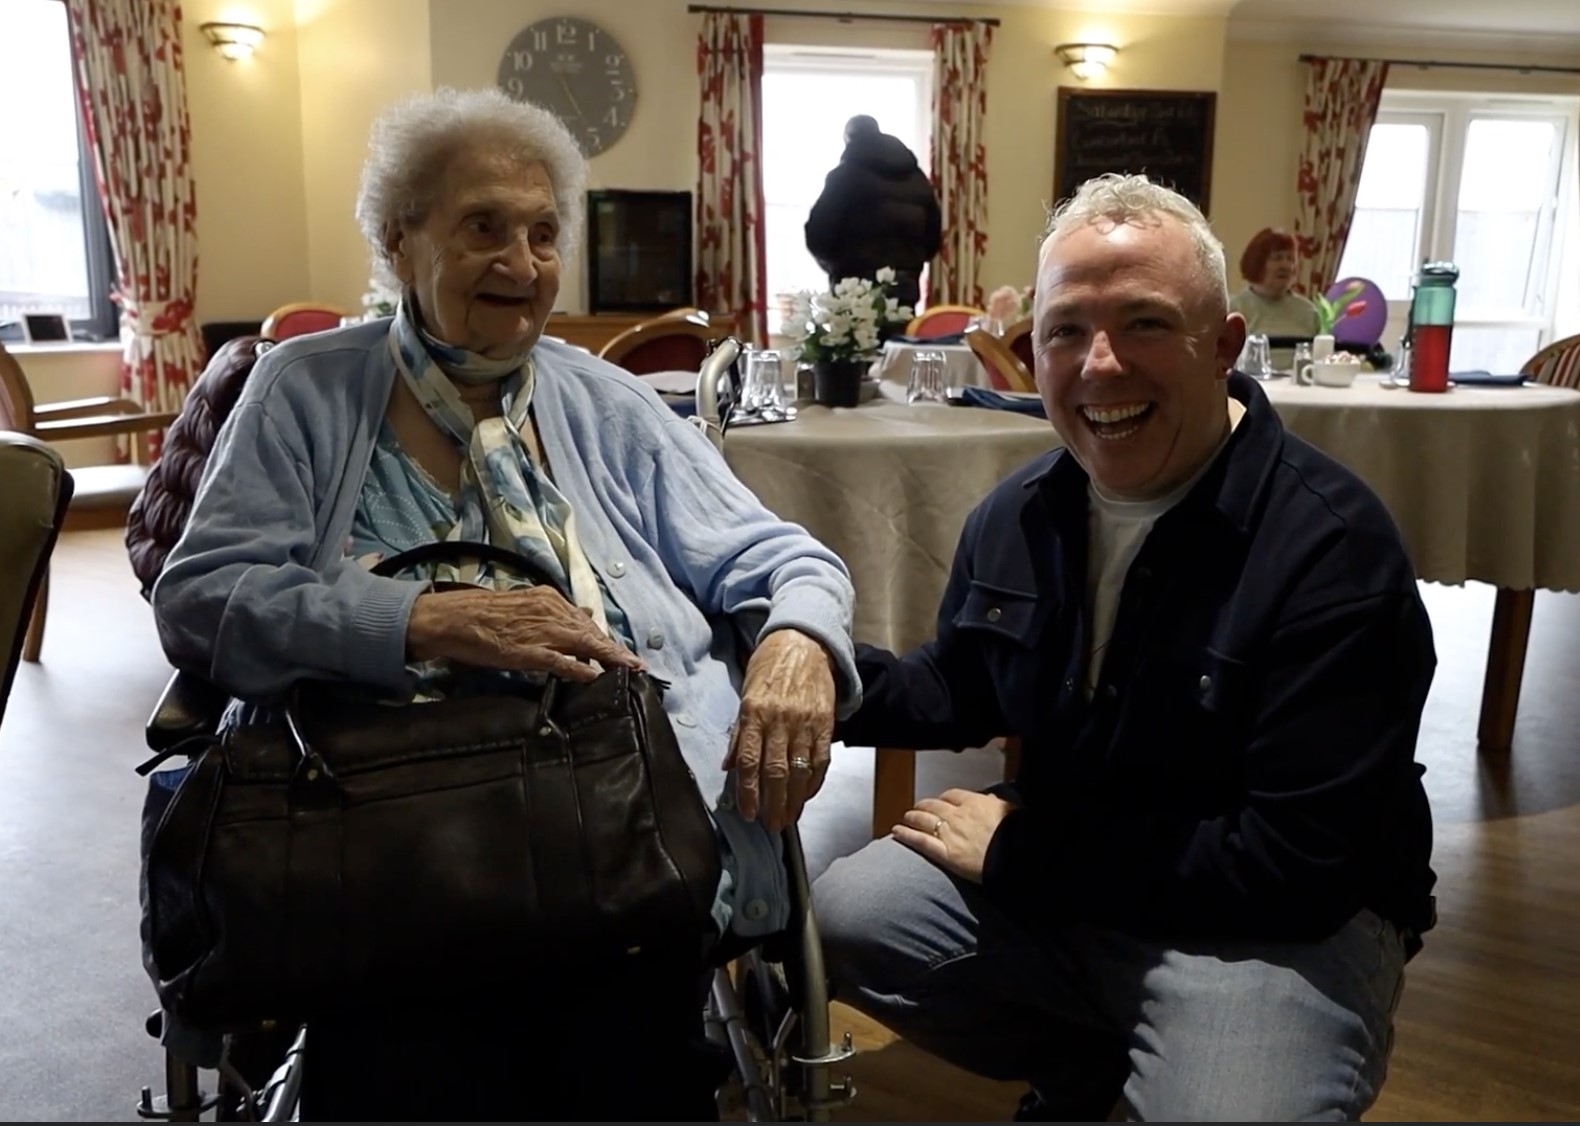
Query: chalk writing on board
[(1165, 134)]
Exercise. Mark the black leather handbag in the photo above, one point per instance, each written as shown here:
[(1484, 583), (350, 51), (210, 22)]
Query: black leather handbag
[(357, 854)]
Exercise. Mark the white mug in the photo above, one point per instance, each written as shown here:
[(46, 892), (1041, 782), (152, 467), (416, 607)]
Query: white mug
[(1329, 373)]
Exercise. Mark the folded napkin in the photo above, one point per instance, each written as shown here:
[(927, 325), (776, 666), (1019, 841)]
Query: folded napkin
[(1485, 379), (997, 401)]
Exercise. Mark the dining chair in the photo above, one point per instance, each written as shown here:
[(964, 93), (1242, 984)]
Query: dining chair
[(300, 318), (32, 509), (1557, 365), (1004, 369), (1018, 336), (943, 320), (102, 493), (675, 341)]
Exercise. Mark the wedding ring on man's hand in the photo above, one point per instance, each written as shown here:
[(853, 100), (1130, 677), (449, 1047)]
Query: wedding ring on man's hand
[(938, 827), (799, 763)]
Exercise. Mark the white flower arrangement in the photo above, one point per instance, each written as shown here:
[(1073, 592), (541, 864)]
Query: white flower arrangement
[(846, 324), (378, 301)]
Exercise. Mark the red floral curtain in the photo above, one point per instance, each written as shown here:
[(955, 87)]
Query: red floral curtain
[(1341, 104), (132, 86), (959, 158), (732, 246)]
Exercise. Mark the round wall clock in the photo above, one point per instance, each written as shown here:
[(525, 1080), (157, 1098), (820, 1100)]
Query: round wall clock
[(577, 70)]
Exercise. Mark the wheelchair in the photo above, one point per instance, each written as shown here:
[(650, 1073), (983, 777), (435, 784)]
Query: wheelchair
[(769, 1008)]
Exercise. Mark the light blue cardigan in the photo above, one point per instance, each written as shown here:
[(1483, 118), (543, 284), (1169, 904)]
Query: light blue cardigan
[(258, 593)]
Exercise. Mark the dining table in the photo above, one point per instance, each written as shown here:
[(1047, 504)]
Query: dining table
[(1483, 483)]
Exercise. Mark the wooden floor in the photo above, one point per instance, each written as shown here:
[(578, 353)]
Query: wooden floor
[(1490, 1023)]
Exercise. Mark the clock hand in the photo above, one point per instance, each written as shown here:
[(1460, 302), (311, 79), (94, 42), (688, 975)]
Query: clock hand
[(560, 78)]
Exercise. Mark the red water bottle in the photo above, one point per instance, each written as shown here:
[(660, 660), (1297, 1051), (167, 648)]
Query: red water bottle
[(1432, 326)]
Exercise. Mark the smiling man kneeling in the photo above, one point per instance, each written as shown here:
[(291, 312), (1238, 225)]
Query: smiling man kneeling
[(1201, 891)]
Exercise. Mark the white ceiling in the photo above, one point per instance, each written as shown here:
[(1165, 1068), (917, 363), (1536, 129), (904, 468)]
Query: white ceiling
[(1548, 19)]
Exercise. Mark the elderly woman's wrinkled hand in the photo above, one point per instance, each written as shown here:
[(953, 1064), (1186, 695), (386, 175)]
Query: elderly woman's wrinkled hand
[(780, 748), (533, 629)]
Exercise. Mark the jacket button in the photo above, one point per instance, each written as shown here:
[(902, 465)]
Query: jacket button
[(617, 568), (1205, 684), (1069, 685), (994, 614), (655, 640), (756, 910)]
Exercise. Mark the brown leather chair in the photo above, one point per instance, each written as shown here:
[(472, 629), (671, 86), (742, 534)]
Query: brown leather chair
[(32, 509), (676, 341), (160, 511)]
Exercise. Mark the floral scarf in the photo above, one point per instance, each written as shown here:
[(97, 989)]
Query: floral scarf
[(507, 499)]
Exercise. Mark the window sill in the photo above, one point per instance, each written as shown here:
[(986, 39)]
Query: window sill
[(75, 347)]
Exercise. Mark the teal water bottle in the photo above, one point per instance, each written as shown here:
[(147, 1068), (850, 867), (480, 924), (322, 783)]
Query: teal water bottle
[(1432, 326)]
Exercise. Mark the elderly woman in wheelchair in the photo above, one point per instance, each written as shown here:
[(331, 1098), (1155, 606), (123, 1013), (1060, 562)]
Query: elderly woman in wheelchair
[(449, 512)]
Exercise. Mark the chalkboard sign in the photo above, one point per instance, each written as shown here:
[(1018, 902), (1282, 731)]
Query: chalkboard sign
[(1165, 134)]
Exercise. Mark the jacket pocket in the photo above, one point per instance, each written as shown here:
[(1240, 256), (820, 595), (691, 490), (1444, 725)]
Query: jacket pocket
[(1186, 725), (1015, 616)]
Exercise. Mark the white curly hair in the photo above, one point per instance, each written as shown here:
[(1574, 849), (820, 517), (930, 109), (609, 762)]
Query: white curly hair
[(413, 140), (1122, 198)]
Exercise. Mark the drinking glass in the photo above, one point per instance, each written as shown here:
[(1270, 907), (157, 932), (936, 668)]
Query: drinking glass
[(764, 389), (1255, 360), (926, 382)]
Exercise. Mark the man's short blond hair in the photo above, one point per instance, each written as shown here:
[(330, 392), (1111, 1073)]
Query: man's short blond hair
[(1121, 198)]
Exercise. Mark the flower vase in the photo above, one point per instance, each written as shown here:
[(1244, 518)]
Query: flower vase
[(837, 383)]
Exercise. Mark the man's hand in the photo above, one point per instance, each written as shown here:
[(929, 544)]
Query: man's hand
[(532, 628), (780, 747), (953, 830)]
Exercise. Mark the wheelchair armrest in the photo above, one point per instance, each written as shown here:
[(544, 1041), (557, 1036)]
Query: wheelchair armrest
[(188, 706)]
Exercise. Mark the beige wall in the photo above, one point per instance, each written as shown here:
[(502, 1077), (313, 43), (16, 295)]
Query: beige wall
[(357, 56), (658, 151), (246, 163)]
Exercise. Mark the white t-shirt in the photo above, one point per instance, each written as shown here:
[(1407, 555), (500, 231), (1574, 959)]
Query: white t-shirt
[(1116, 530)]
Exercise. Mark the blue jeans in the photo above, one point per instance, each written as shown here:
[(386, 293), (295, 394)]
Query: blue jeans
[(1226, 1030)]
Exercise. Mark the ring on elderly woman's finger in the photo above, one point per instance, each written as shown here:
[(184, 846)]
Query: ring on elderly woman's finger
[(800, 763)]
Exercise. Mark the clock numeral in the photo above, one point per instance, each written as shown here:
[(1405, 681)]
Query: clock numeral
[(612, 118), (618, 92), (565, 34), (515, 88), (614, 62), (592, 41), (521, 60), (540, 40), (593, 139)]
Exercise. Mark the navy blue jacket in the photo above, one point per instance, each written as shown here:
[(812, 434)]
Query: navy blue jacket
[(1245, 767)]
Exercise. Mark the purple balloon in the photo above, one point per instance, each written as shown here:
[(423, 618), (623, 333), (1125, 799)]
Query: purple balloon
[(1366, 327)]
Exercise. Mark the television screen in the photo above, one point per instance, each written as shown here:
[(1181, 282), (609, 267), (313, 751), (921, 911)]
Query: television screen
[(638, 251)]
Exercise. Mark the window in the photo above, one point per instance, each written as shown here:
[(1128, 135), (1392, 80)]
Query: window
[(54, 248), (1476, 181), (807, 98)]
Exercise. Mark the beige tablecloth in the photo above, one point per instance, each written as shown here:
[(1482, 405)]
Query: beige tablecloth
[(887, 486), (1484, 483)]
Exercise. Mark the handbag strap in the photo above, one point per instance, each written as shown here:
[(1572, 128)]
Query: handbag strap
[(455, 551)]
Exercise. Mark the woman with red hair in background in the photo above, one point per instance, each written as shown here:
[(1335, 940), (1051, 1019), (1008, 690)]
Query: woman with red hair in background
[(1267, 303)]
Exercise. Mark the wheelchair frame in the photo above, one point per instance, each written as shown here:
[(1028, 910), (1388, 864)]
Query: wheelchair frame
[(778, 1032), (782, 1046)]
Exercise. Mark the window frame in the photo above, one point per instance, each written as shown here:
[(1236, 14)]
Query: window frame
[(814, 59), (1447, 116), (102, 323)]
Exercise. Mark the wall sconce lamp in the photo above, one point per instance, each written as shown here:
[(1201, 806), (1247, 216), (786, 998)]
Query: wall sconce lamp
[(233, 40), (1086, 60)]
